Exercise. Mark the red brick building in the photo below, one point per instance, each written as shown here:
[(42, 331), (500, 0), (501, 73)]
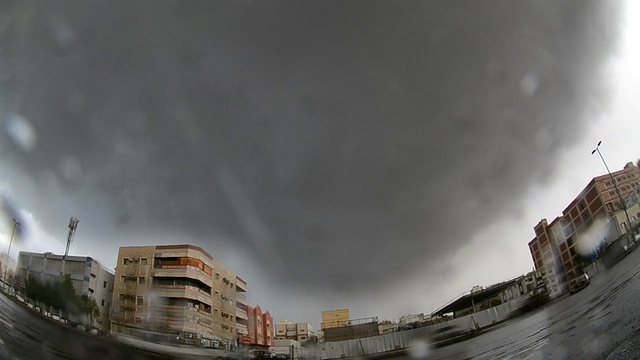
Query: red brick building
[(554, 245), (260, 328)]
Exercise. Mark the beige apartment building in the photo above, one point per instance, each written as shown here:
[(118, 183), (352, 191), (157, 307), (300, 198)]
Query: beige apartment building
[(175, 289)]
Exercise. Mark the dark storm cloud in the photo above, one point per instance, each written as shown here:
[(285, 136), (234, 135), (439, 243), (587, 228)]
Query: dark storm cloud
[(323, 138)]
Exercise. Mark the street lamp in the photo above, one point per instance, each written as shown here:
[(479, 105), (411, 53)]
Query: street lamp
[(627, 226), (6, 264)]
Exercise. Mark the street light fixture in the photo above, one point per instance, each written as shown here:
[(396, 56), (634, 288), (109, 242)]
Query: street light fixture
[(627, 225), (6, 264)]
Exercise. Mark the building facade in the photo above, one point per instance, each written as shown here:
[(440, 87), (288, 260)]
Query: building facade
[(88, 277), (335, 318), (413, 318), (301, 332), (260, 327), (591, 221), (175, 289)]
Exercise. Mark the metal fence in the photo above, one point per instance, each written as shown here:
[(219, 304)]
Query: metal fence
[(437, 332)]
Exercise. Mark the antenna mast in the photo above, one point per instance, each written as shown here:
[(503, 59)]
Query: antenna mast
[(73, 224)]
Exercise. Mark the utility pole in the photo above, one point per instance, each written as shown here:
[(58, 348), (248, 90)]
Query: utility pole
[(622, 203), (6, 263)]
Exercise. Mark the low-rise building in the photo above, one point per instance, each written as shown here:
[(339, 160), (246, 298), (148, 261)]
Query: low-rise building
[(301, 332), (413, 318), (387, 326), (88, 277)]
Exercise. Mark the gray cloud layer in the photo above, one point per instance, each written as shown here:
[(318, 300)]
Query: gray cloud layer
[(336, 136)]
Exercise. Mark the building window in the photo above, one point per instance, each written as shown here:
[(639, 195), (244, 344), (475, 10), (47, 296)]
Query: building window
[(144, 261), (139, 300), (93, 275), (217, 276), (121, 297), (216, 294), (216, 312), (104, 284), (141, 280), (102, 302), (123, 278), (125, 262), (91, 290)]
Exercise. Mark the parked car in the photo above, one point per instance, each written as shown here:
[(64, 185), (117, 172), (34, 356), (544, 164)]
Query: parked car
[(581, 282)]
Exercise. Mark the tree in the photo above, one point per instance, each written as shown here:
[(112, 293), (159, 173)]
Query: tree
[(89, 306), (60, 294)]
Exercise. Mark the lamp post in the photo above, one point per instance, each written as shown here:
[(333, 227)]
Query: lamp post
[(6, 264), (627, 226)]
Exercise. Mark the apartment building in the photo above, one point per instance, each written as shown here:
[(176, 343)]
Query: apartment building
[(260, 328), (88, 277), (597, 211), (175, 289), (241, 311), (301, 332)]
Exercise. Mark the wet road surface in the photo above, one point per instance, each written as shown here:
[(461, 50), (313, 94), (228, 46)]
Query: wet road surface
[(600, 322), (25, 334)]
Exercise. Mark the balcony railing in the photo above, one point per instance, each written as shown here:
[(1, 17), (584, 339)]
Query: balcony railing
[(242, 329), (241, 313), (180, 308), (241, 298), (185, 287), (185, 267)]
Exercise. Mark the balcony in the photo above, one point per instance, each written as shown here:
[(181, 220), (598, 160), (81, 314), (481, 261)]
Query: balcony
[(181, 271), (242, 299), (242, 314), (242, 329), (178, 311), (241, 285), (183, 292)]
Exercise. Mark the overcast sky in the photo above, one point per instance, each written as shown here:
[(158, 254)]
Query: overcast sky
[(377, 156)]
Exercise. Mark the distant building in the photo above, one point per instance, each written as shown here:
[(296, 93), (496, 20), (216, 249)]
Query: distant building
[(354, 329), (335, 318), (413, 318), (301, 332), (177, 290), (594, 217), (88, 277), (387, 326), (260, 328)]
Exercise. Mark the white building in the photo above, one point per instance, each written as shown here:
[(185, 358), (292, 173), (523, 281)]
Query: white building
[(411, 318), (88, 276)]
